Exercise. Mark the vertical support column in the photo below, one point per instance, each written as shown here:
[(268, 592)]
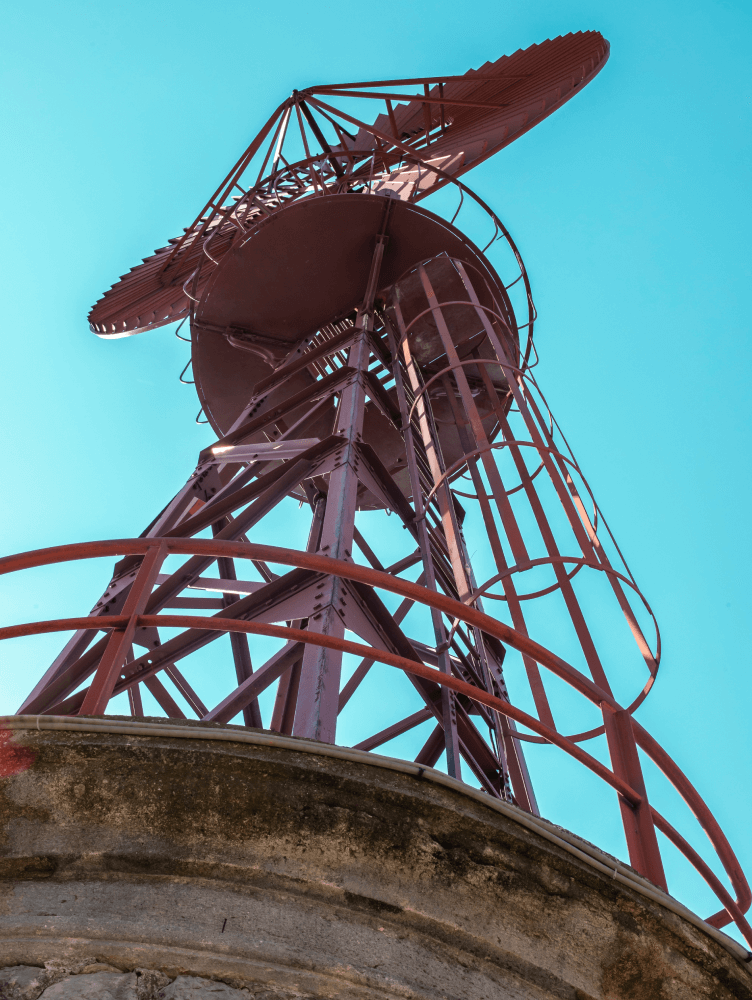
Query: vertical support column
[(318, 695), (642, 842), (283, 714)]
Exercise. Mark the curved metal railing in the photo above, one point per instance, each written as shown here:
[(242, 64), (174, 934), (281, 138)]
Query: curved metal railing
[(155, 550)]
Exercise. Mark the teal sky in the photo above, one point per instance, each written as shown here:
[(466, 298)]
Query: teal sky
[(631, 207)]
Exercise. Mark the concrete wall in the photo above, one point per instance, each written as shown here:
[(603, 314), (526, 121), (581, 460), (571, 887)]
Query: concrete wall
[(287, 873)]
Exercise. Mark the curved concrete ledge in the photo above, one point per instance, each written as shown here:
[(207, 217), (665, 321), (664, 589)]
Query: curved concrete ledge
[(260, 859)]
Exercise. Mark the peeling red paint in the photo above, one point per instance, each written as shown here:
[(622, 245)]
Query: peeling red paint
[(13, 758)]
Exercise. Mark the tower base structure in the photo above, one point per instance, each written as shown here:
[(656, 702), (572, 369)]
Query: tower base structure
[(229, 862)]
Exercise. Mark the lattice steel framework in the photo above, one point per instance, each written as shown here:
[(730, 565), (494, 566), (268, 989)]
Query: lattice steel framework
[(358, 354)]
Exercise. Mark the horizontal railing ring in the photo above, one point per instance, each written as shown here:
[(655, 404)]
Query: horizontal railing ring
[(538, 593), (460, 364), (455, 302), (466, 264), (493, 446), (547, 560), (589, 734), (509, 493), (598, 730), (531, 475), (482, 591)]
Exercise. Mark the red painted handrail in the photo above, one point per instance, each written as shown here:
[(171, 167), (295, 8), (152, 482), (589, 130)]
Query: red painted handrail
[(733, 910)]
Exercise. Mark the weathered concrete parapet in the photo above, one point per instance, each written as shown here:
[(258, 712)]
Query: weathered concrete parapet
[(287, 872), (58, 981)]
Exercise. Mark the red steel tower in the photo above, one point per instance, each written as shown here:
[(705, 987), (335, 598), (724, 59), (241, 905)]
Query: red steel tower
[(368, 369)]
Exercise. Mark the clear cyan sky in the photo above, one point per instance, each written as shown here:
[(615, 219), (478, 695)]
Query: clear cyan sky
[(631, 207)]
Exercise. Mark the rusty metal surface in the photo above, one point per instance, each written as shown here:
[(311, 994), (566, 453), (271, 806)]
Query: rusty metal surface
[(411, 149), (322, 248), (451, 361), (358, 353)]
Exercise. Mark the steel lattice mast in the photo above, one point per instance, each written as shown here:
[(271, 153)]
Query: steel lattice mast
[(359, 354)]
